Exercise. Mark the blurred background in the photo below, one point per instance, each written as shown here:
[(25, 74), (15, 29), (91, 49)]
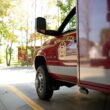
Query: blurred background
[(18, 39)]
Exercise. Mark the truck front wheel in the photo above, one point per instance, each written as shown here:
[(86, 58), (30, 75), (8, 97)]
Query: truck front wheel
[(42, 84)]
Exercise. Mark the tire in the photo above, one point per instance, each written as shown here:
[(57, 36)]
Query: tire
[(42, 84)]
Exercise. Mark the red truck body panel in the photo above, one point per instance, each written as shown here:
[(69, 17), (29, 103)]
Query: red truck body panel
[(61, 58)]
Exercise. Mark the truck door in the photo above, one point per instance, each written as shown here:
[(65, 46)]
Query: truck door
[(66, 68), (94, 43), (67, 56), (67, 49)]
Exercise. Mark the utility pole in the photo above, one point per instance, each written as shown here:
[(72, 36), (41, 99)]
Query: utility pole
[(34, 20), (27, 44)]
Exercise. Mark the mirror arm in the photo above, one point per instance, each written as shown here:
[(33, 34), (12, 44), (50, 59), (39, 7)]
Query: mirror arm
[(52, 32)]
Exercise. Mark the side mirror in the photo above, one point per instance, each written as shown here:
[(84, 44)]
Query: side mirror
[(40, 25)]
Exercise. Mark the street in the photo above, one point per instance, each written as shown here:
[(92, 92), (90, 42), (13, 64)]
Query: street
[(17, 92)]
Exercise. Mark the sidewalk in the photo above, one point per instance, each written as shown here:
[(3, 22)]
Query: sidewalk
[(12, 75)]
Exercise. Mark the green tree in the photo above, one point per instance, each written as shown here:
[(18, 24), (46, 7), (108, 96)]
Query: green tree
[(11, 38), (65, 7), (4, 12), (7, 25)]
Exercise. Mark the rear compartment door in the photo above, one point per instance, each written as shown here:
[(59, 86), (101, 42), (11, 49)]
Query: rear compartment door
[(94, 43)]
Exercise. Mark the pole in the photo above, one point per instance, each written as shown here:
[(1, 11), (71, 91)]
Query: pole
[(27, 43)]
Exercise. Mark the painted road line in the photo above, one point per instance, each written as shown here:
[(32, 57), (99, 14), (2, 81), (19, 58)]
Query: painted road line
[(25, 98)]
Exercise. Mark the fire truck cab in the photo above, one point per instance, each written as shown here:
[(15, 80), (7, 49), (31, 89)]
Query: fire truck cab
[(79, 56)]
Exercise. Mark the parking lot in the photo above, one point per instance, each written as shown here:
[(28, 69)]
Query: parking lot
[(17, 92)]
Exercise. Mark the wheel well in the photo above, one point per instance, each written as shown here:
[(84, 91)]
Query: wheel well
[(39, 60)]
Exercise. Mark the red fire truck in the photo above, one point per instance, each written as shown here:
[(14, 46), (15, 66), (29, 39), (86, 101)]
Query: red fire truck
[(76, 57)]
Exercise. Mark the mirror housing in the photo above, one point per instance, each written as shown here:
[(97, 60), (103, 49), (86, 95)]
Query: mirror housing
[(40, 26)]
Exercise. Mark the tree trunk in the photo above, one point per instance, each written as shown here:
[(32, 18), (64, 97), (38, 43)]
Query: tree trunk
[(8, 54)]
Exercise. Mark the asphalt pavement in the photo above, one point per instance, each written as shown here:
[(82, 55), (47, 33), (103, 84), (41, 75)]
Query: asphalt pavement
[(17, 92)]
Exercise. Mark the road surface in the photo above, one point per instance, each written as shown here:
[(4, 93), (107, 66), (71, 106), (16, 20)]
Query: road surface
[(17, 92)]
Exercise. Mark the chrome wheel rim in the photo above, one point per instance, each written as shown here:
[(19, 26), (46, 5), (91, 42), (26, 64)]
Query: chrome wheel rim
[(40, 82)]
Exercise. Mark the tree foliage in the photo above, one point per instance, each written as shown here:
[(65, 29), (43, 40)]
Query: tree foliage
[(65, 7), (7, 27), (4, 7)]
